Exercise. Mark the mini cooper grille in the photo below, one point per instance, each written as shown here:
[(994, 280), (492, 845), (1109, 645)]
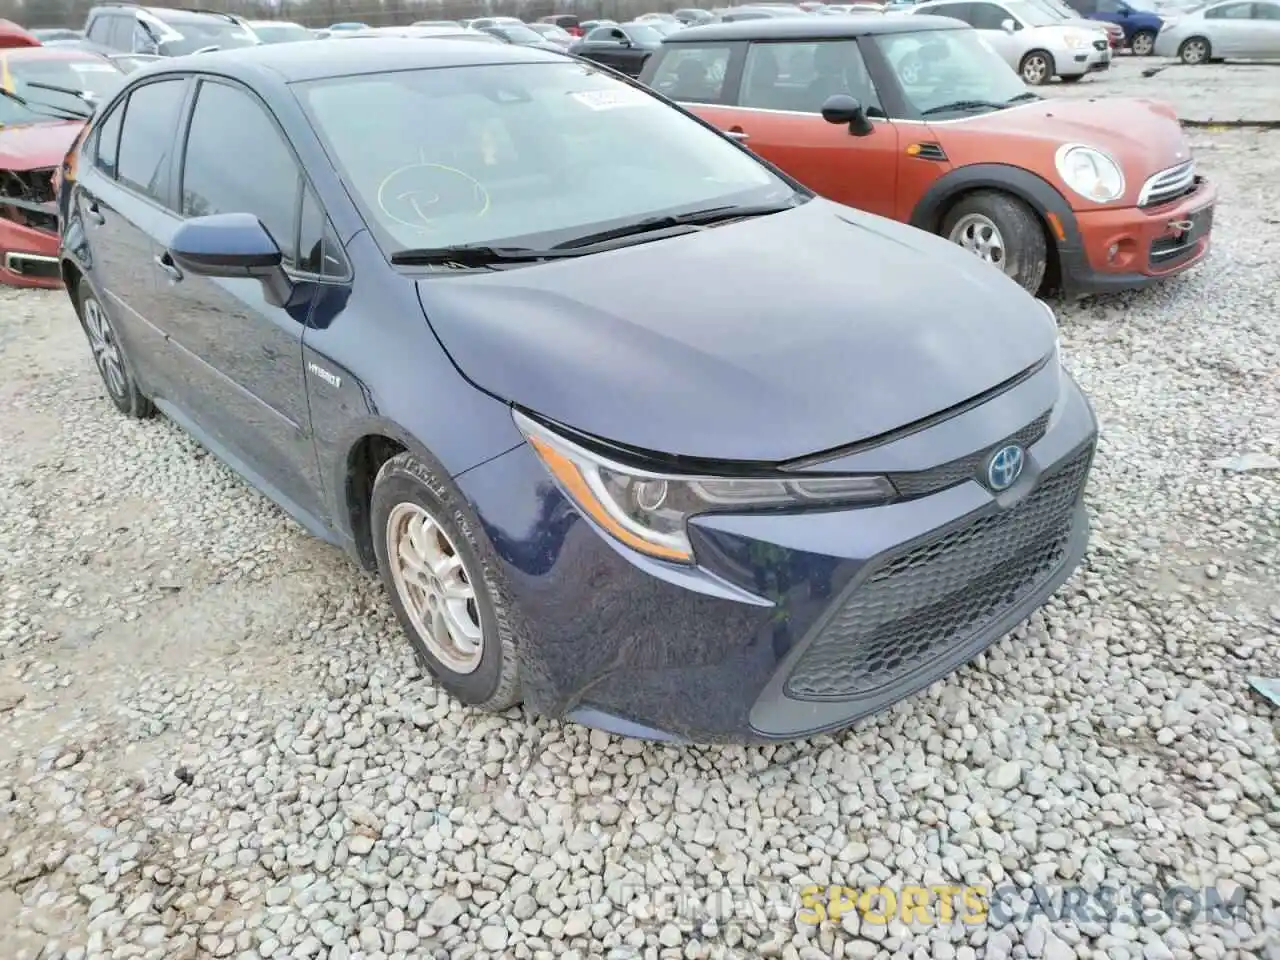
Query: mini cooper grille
[(932, 600), (925, 482), (26, 197), (1168, 185)]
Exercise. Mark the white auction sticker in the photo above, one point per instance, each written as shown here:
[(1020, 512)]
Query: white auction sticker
[(609, 99)]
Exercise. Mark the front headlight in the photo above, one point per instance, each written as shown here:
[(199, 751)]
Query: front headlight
[(648, 511), (1075, 41), (1089, 172)]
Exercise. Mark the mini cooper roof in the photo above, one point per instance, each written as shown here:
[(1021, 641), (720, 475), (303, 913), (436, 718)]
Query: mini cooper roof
[(813, 28)]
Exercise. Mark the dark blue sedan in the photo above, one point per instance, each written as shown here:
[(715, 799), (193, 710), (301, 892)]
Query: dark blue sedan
[(636, 430)]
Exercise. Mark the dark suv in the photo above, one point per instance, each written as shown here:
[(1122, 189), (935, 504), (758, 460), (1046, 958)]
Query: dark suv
[(129, 28)]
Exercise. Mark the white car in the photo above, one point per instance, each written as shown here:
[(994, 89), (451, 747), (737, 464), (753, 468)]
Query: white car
[(1034, 41)]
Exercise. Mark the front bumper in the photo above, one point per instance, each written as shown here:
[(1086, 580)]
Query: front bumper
[(28, 257), (793, 624), (1151, 244), (1075, 63)]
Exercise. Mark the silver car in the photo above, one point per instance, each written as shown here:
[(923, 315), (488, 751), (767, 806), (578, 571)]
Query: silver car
[(1237, 29), (1034, 41)]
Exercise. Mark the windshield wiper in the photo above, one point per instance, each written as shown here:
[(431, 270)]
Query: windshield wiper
[(695, 218), (474, 255), (80, 95), (50, 110), (964, 105)]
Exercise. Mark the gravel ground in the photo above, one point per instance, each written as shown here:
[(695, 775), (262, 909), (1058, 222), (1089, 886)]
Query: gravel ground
[(1212, 93), (218, 744)]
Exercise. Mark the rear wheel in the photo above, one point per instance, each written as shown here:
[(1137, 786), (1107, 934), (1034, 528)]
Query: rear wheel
[(1194, 51), (109, 357), (1143, 43), (1036, 68), (1002, 231)]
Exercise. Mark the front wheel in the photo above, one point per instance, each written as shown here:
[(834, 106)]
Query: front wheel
[(1143, 43), (1194, 51), (1036, 68), (1004, 232), (444, 584)]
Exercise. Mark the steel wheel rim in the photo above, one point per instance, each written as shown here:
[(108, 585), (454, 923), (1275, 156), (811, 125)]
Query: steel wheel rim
[(435, 588), (981, 237), (106, 351), (1035, 70), (1142, 44)]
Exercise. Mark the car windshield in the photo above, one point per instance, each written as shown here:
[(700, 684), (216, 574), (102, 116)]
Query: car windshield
[(197, 36), (528, 154), (941, 67), (1031, 14), (281, 32), (94, 77), (643, 34), (518, 33)]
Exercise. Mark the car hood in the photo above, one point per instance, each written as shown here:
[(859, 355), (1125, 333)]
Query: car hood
[(760, 340), (1143, 135), (36, 145)]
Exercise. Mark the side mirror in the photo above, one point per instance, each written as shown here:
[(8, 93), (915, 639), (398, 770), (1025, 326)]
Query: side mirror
[(231, 245), (1008, 26), (842, 108)]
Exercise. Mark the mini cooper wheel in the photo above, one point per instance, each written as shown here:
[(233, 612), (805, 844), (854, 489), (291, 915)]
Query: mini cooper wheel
[(1004, 232), (1143, 43), (443, 584), (1036, 68), (109, 356), (1194, 51)]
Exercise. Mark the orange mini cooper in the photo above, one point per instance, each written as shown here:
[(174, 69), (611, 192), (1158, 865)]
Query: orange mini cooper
[(918, 119)]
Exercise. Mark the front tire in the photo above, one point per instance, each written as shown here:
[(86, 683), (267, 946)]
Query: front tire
[(444, 584), (109, 357), (1143, 43), (1194, 51), (1004, 232), (1036, 68)]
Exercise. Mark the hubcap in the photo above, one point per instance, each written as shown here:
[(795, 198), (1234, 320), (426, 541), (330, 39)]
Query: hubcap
[(1142, 45), (1035, 70), (979, 235), (435, 588), (1194, 52), (106, 352)]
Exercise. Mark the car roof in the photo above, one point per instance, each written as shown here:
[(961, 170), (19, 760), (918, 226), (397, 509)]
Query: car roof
[(813, 28), (297, 62)]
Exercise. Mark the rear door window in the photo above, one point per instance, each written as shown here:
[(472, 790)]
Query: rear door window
[(147, 138), (692, 73)]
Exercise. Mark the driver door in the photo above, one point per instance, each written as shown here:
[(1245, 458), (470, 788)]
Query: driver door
[(779, 116)]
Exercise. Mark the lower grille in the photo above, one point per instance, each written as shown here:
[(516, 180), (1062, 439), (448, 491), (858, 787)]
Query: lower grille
[(924, 482), (26, 198), (932, 599), (1169, 251)]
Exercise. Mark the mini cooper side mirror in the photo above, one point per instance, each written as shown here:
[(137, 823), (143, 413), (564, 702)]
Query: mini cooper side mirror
[(844, 109), (231, 245)]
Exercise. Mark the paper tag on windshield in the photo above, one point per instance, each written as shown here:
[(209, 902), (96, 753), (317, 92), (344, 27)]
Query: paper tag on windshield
[(609, 99)]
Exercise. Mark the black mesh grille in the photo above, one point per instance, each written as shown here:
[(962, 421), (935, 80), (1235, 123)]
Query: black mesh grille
[(923, 603), (925, 482)]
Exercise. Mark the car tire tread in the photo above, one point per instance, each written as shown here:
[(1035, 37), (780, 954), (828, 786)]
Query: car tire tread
[(1026, 249), (495, 684)]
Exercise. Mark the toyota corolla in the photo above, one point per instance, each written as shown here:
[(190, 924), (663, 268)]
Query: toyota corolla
[(636, 430)]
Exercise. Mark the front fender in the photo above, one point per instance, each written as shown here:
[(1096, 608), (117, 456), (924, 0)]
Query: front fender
[(1042, 196)]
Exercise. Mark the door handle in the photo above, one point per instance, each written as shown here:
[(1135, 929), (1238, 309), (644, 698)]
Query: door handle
[(165, 263), (738, 134), (94, 214)]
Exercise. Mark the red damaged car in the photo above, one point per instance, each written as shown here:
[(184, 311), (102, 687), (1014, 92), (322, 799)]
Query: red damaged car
[(46, 94)]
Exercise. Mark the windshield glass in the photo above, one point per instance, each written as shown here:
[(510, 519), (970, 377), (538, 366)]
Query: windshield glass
[(643, 34), (946, 66), (518, 34), (527, 154), (281, 32), (97, 79), (196, 36), (1031, 14)]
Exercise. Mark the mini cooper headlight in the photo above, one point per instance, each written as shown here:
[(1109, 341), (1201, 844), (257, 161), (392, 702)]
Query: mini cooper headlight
[(1089, 172), (648, 511)]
